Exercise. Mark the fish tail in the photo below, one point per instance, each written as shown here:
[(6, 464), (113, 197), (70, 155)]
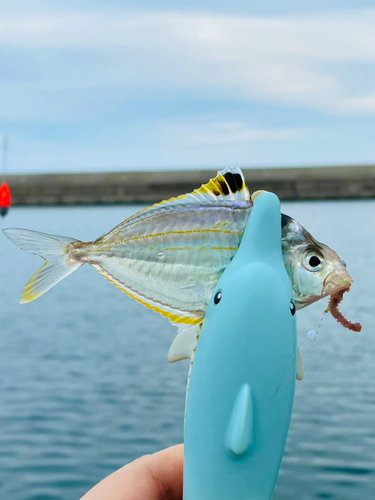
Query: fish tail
[(54, 250)]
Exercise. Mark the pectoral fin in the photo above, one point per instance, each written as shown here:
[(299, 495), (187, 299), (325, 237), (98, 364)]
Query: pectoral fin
[(184, 344), (300, 369)]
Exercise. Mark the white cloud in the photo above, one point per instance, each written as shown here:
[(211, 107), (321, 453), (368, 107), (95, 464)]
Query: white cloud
[(363, 104), (228, 133), (166, 143), (287, 60)]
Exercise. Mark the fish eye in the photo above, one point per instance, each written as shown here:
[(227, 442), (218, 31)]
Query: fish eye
[(312, 262), (292, 308), (218, 296)]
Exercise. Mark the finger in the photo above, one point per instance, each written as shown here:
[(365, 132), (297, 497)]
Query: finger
[(152, 477)]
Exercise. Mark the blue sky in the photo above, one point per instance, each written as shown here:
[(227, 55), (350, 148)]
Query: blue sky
[(108, 85)]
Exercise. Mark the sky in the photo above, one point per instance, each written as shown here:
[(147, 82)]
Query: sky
[(91, 85)]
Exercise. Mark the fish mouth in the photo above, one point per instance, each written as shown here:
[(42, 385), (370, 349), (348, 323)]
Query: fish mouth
[(336, 281), (336, 284)]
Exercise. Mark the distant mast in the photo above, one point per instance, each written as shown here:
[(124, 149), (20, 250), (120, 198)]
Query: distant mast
[(5, 197)]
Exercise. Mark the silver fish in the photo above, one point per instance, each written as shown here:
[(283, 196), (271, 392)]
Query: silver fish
[(170, 256)]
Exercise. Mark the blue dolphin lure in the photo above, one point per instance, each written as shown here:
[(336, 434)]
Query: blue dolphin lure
[(242, 384)]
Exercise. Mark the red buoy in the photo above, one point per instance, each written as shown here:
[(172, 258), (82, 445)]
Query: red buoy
[(5, 198)]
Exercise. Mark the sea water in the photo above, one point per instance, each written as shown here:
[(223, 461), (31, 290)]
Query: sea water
[(85, 386)]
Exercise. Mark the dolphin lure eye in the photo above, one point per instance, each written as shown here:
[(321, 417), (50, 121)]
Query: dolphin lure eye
[(218, 296), (312, 262), (292, 308)]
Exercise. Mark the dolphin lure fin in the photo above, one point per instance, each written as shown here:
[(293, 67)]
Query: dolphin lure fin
[(184, 345), (239, 434), (300, 368)]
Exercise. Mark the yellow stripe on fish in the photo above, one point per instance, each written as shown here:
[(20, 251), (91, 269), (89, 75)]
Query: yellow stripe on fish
[(173, 318), (168, 233)]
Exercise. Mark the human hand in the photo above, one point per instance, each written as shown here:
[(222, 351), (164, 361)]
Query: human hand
[(151, 477)]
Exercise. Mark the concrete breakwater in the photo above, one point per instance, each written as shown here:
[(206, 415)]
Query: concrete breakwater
[(307, 183)]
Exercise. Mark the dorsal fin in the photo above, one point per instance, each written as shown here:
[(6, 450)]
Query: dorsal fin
[(228, 186)]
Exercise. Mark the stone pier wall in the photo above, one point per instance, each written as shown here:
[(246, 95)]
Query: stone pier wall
[(308, 183)]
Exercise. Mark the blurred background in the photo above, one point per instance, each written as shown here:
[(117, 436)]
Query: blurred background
[(108, 106)]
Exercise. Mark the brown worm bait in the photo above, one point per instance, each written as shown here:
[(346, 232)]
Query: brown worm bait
[(333, 308)]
